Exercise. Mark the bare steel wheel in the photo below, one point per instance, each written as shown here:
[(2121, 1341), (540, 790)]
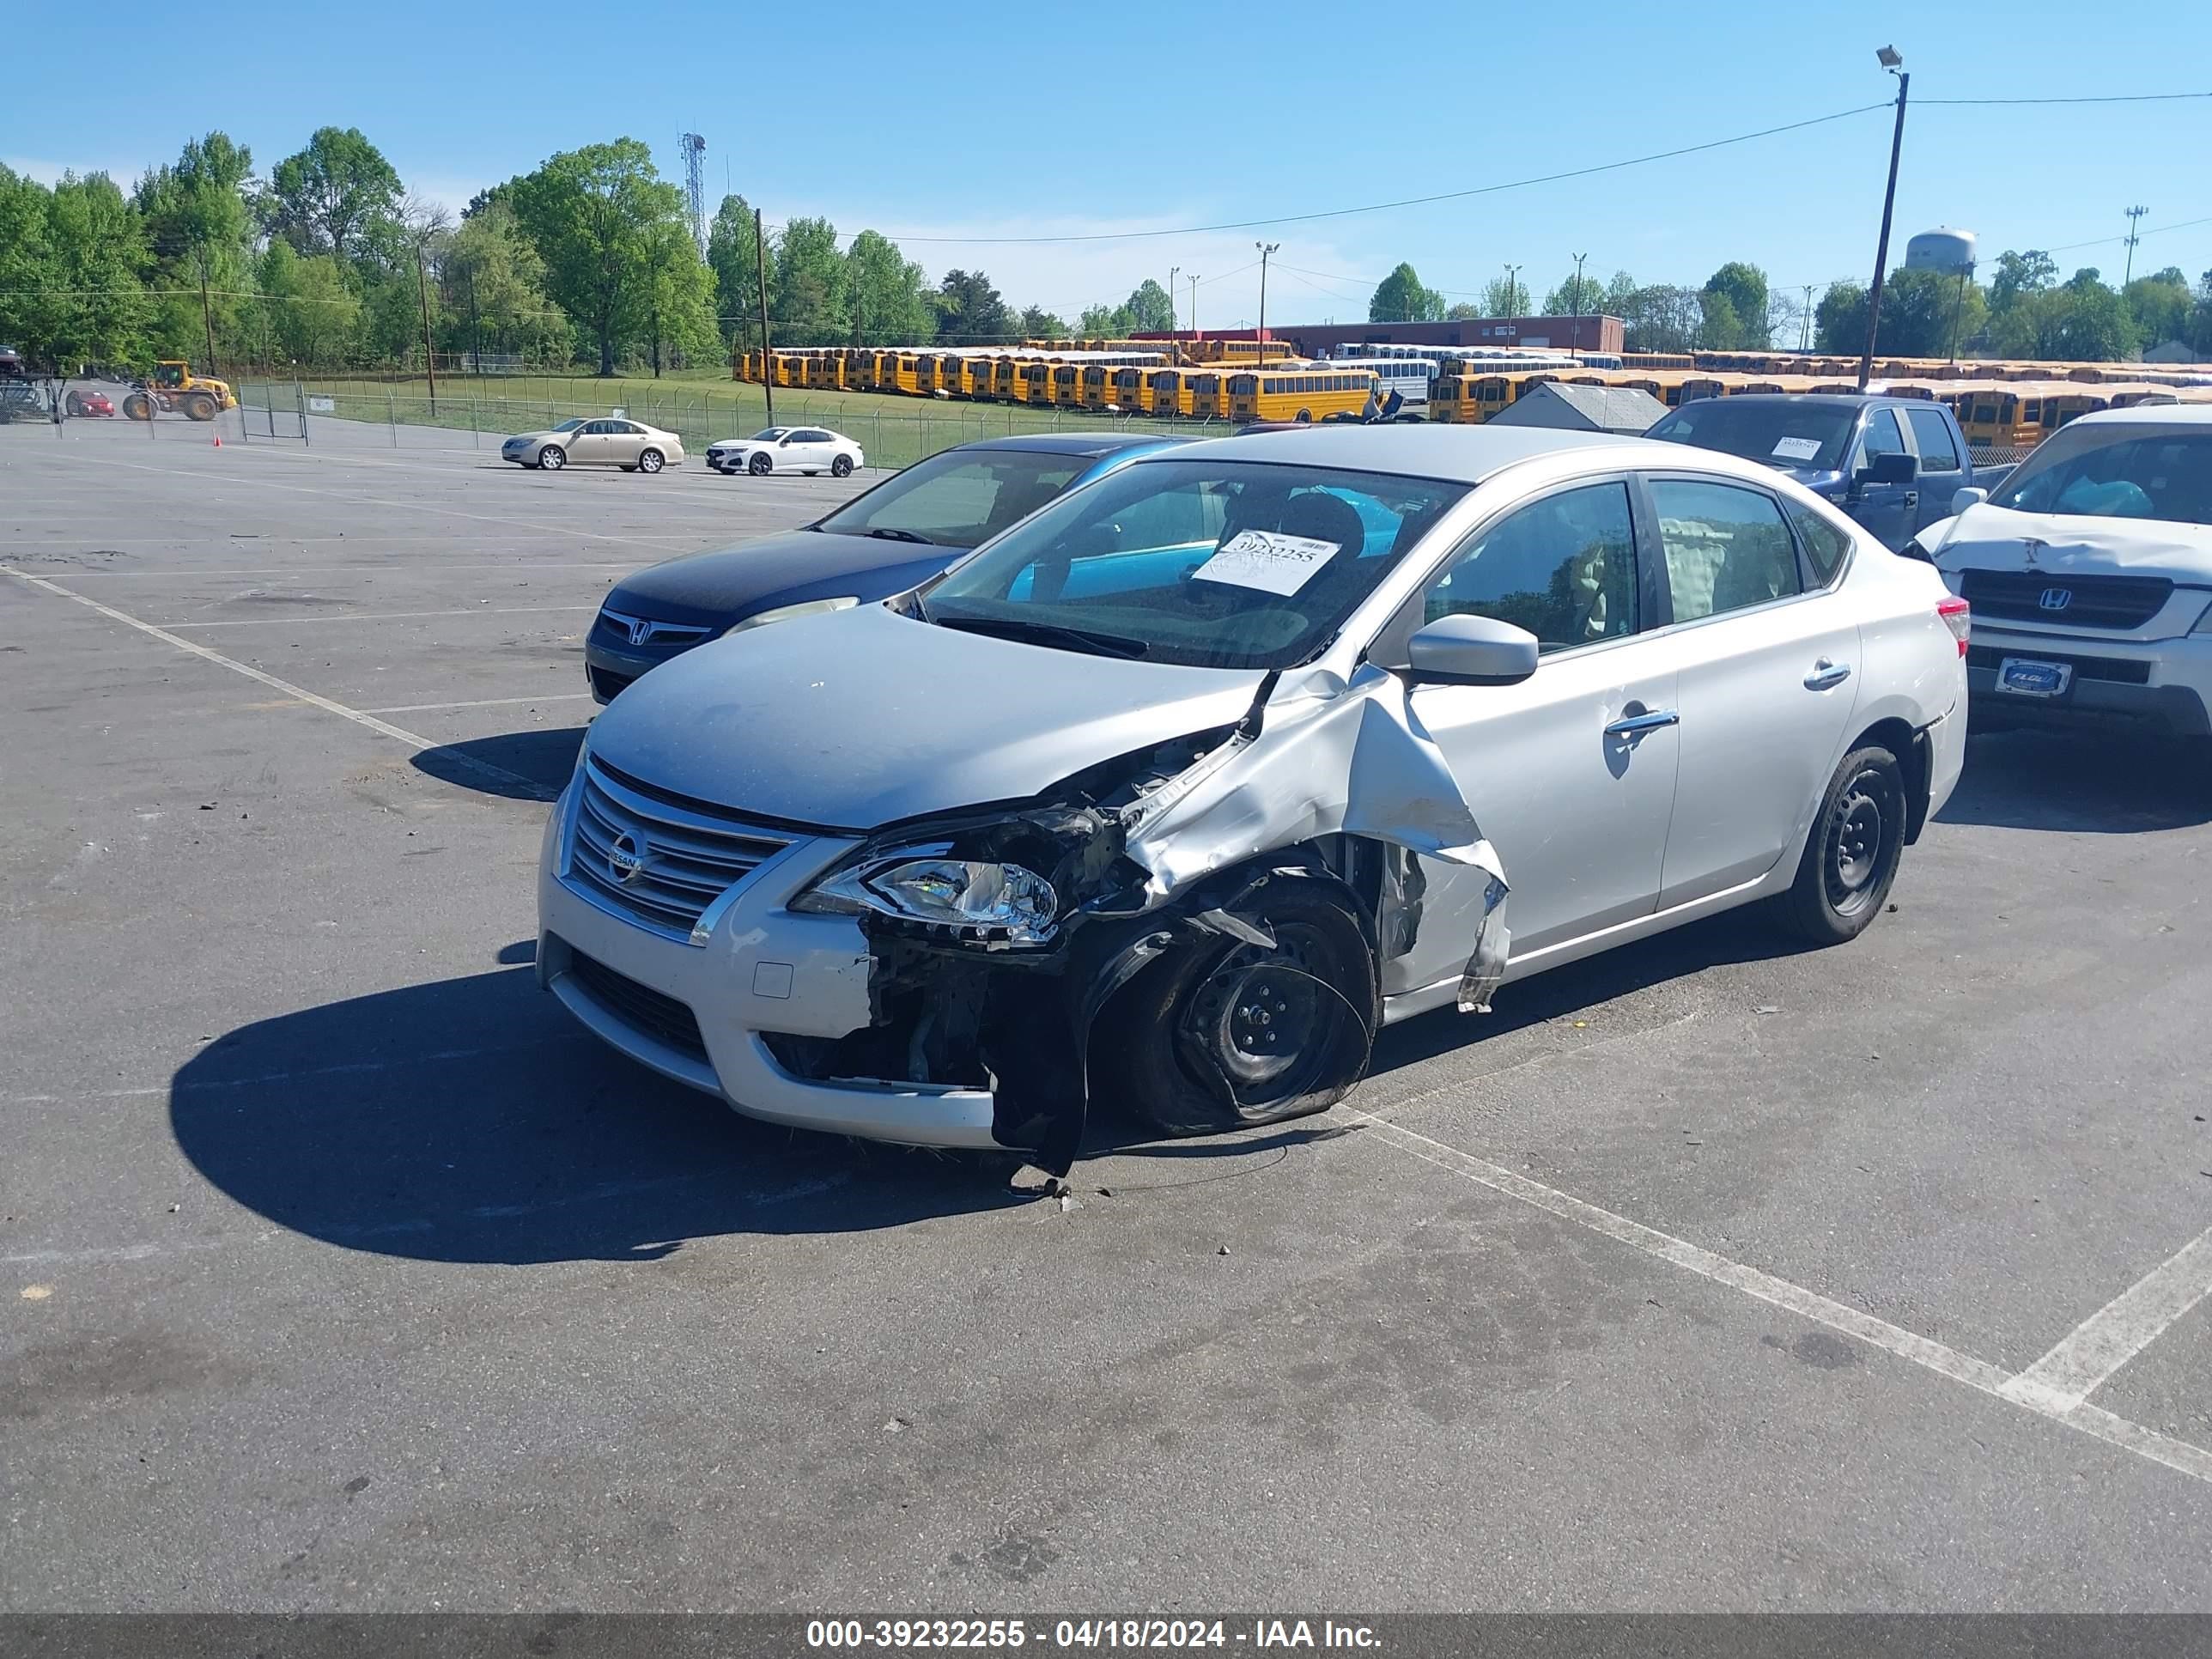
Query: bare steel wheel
[(1851, 855)]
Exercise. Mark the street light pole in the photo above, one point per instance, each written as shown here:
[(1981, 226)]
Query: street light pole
[(1577, 342), (1194, 279), (1174, 345), (1513, 292), (1266, 248), (1889, 60)]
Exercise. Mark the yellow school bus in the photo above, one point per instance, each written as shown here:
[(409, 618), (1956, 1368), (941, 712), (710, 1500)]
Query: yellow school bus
[(1067, 386), (1005, 379), (1035, 381), (1095, 386), (1209, 395), (1303, 394), (1130, 394)]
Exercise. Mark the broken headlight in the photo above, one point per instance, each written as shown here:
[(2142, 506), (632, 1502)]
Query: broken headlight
[(992, 904)]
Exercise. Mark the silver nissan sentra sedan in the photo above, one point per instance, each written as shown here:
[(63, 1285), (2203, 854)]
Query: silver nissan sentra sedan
[(1172, 794)]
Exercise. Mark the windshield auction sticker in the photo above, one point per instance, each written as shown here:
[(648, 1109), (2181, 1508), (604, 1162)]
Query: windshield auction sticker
[(1266, 560), (1797, 449)]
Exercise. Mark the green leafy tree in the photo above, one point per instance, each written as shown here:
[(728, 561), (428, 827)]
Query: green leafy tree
[(101, 310), (1462, 312), (1719, 328), (589, 213), (1400, 298), (1036, 323), (199, 230), (1839, 321), (494, 289), (2159, 305), (2020, 277), (1744, 286), (970, 310), (732, 251), (322, 198), (311, 315), (1149, 308), (1504, 296), (675, 304), (28, 273), (1660, 317), (809, 306), (890, 296), (1103, 323)]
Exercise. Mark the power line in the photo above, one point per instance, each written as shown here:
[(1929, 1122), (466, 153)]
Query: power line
[(2115, 98)]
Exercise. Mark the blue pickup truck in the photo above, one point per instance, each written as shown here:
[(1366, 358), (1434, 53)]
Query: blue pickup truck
[(1894, 464)]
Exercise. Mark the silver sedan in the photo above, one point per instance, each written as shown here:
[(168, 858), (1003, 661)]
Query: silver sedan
[(612, 441), (1176, 790)]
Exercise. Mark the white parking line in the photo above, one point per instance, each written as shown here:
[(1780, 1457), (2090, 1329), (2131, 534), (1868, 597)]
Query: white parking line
[(498, 774), (1924, 1352), (187, 573), (2117, 1331), (379, 616), (479, 702)]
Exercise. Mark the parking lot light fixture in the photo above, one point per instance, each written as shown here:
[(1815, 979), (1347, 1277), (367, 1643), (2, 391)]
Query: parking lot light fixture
[(1891, 60)]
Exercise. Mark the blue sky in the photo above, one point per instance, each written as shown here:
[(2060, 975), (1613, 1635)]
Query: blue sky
[(997, 119)]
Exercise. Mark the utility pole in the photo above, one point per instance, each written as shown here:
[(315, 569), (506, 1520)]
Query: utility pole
[(759, 269), (2135, 220), (1194, 280), (1266, 248), (1174, 345), (1805, 322), (1889, 59), (429, 357), (207, 313), (1577, 339)]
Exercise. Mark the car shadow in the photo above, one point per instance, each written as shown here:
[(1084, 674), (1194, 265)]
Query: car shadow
[(531, 765), (2115, 782)]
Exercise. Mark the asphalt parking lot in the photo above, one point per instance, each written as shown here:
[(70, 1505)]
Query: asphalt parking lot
[(343, 1272)]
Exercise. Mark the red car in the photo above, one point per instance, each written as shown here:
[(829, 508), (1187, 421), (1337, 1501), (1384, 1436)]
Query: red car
[(89, 403)]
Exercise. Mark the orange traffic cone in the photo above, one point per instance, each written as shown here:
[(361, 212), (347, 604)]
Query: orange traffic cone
[(218, 443)]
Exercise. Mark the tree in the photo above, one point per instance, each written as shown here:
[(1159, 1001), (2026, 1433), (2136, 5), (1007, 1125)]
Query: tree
[(1745, 287), (809, 304), (323, 198), (1503, 296), (733, 252), (1839, 322), (1103, 322), (28, 275), (674, 306), (589, 212), (310, 314), (890, 293), (2021, 276), (1037, 323), (1400, 298), (1660, 317), (1719, 327), (100, 311), (1151, 311), (1461, 312), (2160, 306), (970, 311), (198, 228), (494, 289)]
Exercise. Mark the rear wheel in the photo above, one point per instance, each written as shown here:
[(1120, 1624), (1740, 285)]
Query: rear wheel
[(1223, 1035), (76, 406), (1851, 856), (137, 407), (199, 406), (552, 457), (651, 461), (841, 467), (759, 466), (1305, 418)]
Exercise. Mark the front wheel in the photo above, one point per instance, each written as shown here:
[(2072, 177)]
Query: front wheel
[(841, 467), (137, 407), (552, 457), (1851, 856), (199, 406), (759, 466), (75, 404), (650, 461)]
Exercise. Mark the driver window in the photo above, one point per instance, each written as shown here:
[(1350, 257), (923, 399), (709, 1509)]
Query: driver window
[(1563, 567), (1881, 436)]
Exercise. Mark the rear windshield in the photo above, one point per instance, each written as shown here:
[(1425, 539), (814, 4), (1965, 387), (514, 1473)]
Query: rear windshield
[(2167, 476), (1781, 434)]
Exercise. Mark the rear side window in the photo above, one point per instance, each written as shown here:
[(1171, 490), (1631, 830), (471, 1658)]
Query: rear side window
[(1932, 433), (1726, 548), (1825, 543)]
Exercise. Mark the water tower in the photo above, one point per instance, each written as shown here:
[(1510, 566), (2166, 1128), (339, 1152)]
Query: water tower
[(1951, 253)]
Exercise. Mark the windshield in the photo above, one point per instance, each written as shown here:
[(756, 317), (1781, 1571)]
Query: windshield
[(958, 497), (2165, 476), (1781, 434), (1208, 563), (767, 434)]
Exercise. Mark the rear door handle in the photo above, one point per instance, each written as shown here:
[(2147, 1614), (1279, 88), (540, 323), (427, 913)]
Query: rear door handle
[(1825, 674), (1635, 725)]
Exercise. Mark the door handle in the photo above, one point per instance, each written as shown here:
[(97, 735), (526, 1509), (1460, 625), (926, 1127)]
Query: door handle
[(1825, 674), (1912, 498), (1635, 726)]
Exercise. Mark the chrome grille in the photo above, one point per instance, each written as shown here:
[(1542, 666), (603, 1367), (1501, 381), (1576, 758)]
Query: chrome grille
[(659, 863)]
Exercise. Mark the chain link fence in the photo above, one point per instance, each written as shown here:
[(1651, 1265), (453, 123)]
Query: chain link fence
[(894, 432)]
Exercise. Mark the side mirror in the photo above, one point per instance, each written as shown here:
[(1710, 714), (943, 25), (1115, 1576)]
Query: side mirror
[(1963, 499), (786, 444), (1468, 650), (1895, 468)]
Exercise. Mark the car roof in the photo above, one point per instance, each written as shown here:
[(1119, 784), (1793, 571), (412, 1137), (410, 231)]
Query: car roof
[(1463, 453), (2148, 415), (1841, 399), (1069, 443)]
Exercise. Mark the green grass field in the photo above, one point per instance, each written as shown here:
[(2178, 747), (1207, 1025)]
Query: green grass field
[(699, 408)]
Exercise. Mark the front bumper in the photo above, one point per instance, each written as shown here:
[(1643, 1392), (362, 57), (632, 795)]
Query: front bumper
[(2163, 684), (761, 970)]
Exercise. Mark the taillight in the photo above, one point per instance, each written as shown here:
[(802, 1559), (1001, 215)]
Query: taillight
[(1958, 616)]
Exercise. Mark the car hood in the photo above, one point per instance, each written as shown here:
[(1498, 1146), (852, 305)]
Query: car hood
[(1998, 538), (861, 718), (733, 582), (537, 437)]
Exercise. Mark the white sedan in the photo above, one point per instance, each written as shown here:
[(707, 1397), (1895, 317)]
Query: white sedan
[(808, 449), (2090, 574)]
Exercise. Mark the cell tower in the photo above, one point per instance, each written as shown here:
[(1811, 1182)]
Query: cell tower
[(694, 185)]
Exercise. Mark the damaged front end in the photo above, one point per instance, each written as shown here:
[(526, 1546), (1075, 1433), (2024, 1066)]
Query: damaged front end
[(1271, 867)]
